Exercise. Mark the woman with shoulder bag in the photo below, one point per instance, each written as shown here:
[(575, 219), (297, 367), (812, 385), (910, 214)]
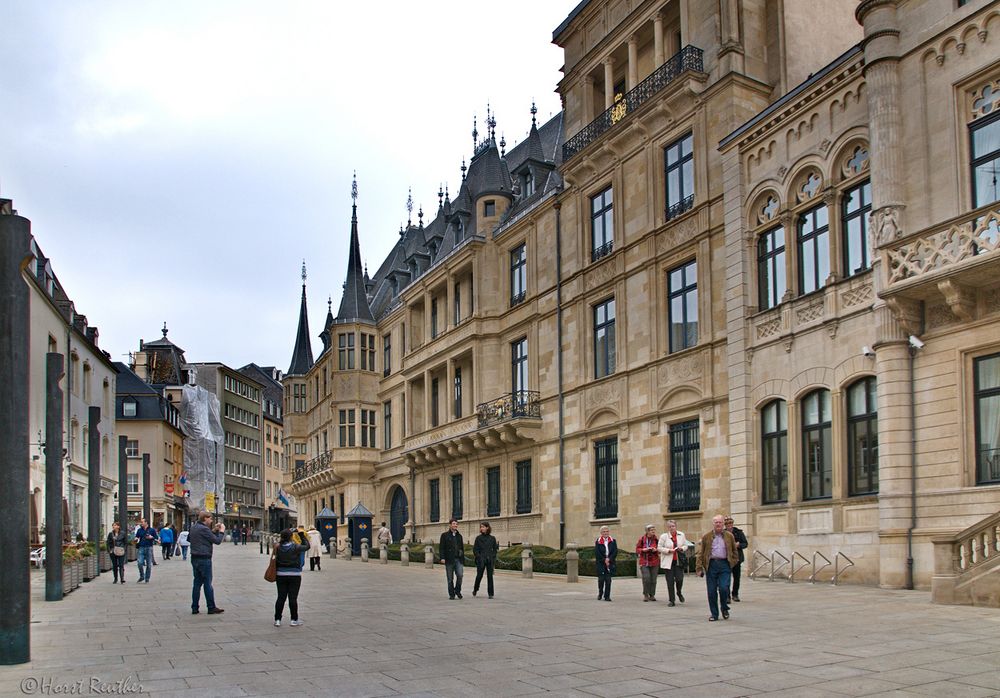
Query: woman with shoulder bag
[(485, 550), (673, 558), (116, 542), (288, 568)]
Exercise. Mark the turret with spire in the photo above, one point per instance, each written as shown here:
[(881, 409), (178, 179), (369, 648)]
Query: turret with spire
[(354, 304), (302, 356)]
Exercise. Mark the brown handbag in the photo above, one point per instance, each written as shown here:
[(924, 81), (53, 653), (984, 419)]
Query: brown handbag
[(271, 573)]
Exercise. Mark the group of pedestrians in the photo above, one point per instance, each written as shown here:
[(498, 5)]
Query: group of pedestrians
[(719, 559)]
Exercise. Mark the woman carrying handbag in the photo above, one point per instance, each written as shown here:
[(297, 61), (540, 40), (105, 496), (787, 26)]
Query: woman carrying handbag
[(116, 542), (286, 561)]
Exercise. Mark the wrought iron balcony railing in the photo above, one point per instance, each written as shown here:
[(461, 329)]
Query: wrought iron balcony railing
[(602, 251), (680, 207), (688, 58), (316, 465), (521, 403)]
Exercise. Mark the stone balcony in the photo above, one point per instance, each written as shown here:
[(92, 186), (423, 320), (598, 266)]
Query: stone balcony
[(509, 420), (315, 474), (954, 264)]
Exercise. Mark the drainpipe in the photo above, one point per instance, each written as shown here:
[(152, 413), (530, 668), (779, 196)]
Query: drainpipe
[(559, 355), (913, 347)]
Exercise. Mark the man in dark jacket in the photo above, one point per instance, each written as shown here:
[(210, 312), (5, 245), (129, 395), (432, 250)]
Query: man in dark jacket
[(451, 551), (145, 538), (202, 538), (741, 545), (605, 554)]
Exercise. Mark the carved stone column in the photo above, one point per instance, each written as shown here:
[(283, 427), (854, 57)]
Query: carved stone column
[(788, 220), (658, 40), (831, 197), (633, 62), (588, 99), (609, 82)]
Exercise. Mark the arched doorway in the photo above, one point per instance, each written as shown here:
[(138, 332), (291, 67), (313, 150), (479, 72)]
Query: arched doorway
[(398, 514)]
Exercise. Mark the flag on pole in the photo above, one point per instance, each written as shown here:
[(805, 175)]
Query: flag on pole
[(282, 496)]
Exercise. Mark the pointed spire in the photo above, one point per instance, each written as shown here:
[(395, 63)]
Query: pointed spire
[(302, 356), (354, 303), (409, 207)]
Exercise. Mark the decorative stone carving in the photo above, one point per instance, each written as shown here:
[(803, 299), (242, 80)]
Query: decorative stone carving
[(991, 301), (907, 313), (707, 414), (884, 224), (782, 171), (809, 313), (945, 247), (961, 299), (858, 295), (601, 274), (986, 99), (686, 370), (788, 342), (677, 235), (832, 328), (768, 328), (938, 315), (604, 394), (824, 145)]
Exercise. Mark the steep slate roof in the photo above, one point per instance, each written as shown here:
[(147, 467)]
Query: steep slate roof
[(354, 303), (302, 355), (149, 402), (165, 361), (271, 388)]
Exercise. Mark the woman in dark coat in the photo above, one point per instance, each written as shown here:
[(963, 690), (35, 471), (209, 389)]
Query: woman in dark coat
[(288, 562), (117, 539), (605, 553), (485, 550)]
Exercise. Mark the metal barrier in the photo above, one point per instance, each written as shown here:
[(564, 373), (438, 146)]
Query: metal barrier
[(805, 561), (836, 567), (776, 569), (826, 563), (756, 567)]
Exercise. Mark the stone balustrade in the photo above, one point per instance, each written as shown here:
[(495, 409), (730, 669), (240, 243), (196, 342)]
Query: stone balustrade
[(961, 561)]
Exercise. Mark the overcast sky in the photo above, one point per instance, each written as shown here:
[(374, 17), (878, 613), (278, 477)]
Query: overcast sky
[(178, 160)]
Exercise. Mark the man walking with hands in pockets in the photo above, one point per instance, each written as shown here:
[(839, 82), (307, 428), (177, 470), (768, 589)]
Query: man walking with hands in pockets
[(716, 558)]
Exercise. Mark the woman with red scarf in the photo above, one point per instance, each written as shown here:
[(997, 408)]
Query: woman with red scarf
[(605, 554), (673, 558), (649, 562)]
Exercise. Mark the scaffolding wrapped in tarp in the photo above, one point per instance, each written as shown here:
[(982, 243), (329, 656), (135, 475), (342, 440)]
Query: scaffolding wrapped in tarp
[(203, 448)]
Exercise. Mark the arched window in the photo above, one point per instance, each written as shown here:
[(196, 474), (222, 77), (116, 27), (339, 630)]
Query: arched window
[(771, 281), (774, 452), (862, 437), (817, 472)]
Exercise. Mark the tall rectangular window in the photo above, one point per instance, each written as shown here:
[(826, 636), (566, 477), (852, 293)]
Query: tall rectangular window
[(434, 402), (771, 281), (519, 366), (347, 422), (368, 428), (602, 231), (493, 491), (857, 208), (606, 479), (456, 496), (387, 424), (984, 134), (817, 475), (434, 317), (986, 382), (458, 392), (682, 294), (518, 274), (386, 354), (132, 483), (343, 512), (685, 467), (679, 162), (774, 452), (604, 338), (345, 347), (523, 474), (132, 448), (814, 249), (862, 437), (458, 303), (434, 498), (367, 352)]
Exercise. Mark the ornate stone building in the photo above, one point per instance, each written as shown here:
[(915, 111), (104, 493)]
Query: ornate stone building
[(746, 269)]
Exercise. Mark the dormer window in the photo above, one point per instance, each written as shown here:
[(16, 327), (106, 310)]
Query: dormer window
[(490, 208), (527, 184), (128, 407)]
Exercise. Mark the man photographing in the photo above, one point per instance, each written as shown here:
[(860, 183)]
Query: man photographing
[(202, 537)]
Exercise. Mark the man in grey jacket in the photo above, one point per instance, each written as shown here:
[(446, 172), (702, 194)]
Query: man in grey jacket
[(202, 537)]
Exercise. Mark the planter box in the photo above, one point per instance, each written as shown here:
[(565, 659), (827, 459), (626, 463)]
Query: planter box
[(67, 580), (88, 572), (105, 561), (77, 570), (130, 554)]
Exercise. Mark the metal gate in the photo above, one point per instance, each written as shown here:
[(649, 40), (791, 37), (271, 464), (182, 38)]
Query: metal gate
[(398, 515)]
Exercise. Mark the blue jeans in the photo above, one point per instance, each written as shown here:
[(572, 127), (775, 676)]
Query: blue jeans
[(184, 551), (452, 570), (717, 579), (144, 556), (202, 568)]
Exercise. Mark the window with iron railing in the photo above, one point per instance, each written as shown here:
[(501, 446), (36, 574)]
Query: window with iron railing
[(678, 158), (518, 274), (602, 230)]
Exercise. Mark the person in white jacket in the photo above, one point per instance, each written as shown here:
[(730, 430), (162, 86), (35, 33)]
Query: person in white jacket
[(315, 549), (182, 543), (673, 547)]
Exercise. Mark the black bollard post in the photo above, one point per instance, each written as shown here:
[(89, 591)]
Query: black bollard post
[(94, 482), (53, 477), (15, 635), (147, 508), (123, 482)]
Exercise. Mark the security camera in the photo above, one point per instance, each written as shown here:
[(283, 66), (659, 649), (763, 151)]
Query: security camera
[(915, 342), (867, 351)]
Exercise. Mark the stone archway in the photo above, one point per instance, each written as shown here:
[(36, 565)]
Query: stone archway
[(399, 514)]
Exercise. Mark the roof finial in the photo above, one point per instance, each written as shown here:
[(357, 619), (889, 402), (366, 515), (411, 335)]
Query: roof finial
[(420, 215), (164, 329), (354, 187), (491, 123), (446, 192), (303, 272), (503, 145), (440, 195), (534, 110), (475, 133), (463, 168), (329, 304), (409, 207)]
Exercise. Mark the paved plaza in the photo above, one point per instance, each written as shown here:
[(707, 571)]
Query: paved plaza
[(387, 630)]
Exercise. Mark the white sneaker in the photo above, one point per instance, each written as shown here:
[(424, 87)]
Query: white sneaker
[(277, 623), (296, 623)]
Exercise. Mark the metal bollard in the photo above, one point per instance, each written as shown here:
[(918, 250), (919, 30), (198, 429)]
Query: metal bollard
[(383, 553), (348, 549), (429, 556), (527, 561), (404, 554), (572, 564), (364, 550)]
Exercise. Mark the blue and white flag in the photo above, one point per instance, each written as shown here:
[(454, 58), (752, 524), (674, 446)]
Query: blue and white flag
[(283, 497)]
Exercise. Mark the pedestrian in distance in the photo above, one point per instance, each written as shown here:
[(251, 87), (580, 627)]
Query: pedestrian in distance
[(146, 537), (605, 556), (202, 537), (485, 549), (673, 547), (315, 549), (166, 541), (235, 534), (716, 558), (116, 545), (649, 562), (246, 533), (384, 535), (182, 543), (451, 551), (302, 538), (741, 545), (288, 563)]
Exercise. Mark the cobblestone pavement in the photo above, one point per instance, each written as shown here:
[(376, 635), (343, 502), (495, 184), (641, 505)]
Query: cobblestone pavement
[(387, 630)]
